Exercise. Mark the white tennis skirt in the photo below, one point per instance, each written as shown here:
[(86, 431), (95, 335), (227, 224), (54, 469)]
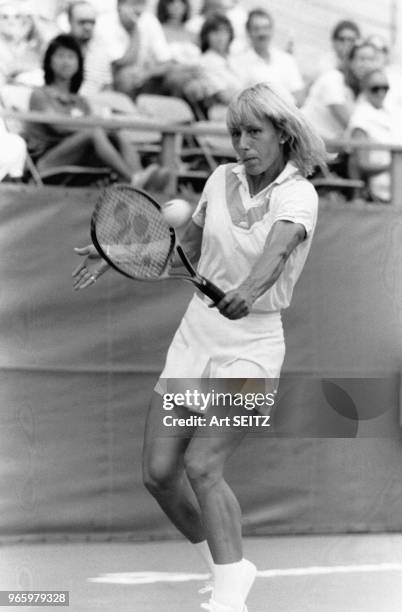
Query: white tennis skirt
[(208, 345)]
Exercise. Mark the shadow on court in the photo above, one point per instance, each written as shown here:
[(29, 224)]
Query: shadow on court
[(339, 573)]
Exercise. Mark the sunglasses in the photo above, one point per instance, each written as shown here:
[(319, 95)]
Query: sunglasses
[(90, 22), (350, 39), (375, 89)]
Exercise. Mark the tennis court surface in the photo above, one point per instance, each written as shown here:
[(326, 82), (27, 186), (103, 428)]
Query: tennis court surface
[(77, 371), (337, 573)]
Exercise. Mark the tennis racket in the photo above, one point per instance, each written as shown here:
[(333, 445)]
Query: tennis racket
[(130, 232)]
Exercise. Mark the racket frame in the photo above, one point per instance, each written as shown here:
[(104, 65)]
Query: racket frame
[(196, 279), (104, 254)]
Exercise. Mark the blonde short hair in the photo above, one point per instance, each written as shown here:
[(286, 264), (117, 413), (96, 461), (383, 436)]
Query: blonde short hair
[(303, 146)]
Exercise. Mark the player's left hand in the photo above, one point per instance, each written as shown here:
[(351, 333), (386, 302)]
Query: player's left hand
[(87, 272), (235, 305)]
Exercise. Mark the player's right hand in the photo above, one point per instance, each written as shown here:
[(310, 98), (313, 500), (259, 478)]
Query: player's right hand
[(89, 270)]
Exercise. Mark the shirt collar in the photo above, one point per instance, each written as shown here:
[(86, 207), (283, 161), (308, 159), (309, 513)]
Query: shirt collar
[(289, 170)]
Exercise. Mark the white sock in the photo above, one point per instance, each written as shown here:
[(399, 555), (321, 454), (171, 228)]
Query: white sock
[(233, 582), (203, 550)]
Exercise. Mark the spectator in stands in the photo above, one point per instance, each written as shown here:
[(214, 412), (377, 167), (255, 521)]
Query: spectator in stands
[(232, 10), (213, 79), (332, 97), (264, 63), (216, 37), (138, 46), (59, 13), (173, 15), (23, 38), (362, 58), (98, 62), (183, 76), (382, 48), (55, 144), (13, 152), (344, 36), (374, 122), (393, 71)]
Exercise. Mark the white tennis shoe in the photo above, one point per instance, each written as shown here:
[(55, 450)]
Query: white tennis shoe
[(249, 574)]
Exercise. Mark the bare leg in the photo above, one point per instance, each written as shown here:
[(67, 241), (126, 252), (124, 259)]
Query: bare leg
[(204, 463), (163, 470), (74, 148), (127, 150), (173, 458), (108, 154), (71, 150), (189, 453)]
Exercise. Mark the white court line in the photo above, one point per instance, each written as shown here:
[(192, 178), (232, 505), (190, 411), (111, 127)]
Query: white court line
[(152, 577)]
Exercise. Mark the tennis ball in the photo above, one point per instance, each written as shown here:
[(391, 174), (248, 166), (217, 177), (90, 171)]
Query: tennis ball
[(177, 212)]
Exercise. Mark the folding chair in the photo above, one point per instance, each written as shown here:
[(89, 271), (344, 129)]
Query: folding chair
[(172, 111), (186, 155), (219, 146), (352, 186), (109, 102), (16, 97), (217, 112), (169, 109)]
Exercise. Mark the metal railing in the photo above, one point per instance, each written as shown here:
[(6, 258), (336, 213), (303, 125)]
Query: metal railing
[(171, 135)]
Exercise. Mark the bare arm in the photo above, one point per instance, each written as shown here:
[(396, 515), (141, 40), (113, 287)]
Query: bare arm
[(281, 241), (40, 102), (341, 113), (191, 243), (88, 271)]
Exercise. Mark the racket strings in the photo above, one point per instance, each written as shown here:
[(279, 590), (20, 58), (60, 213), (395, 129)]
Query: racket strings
[(133, 234)]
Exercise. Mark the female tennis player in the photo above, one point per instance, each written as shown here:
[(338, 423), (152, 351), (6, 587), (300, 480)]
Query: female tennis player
[(251, 233)]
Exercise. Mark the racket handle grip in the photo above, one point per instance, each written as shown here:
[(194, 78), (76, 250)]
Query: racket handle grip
[(211, 290)]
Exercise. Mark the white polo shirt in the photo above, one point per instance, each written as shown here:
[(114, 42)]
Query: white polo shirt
[(330, 88), (220, 71), (153, 46), (281, 70), (383, 126), (98, 68), (236, 225)]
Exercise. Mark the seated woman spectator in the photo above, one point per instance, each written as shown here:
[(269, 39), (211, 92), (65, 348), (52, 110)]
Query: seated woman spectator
[(216, 37), (374, 122), (173, 15), (55, 145), (232, 9), (212, 80), (184, 66), (362, 58), (332, 97), (23, 39)]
